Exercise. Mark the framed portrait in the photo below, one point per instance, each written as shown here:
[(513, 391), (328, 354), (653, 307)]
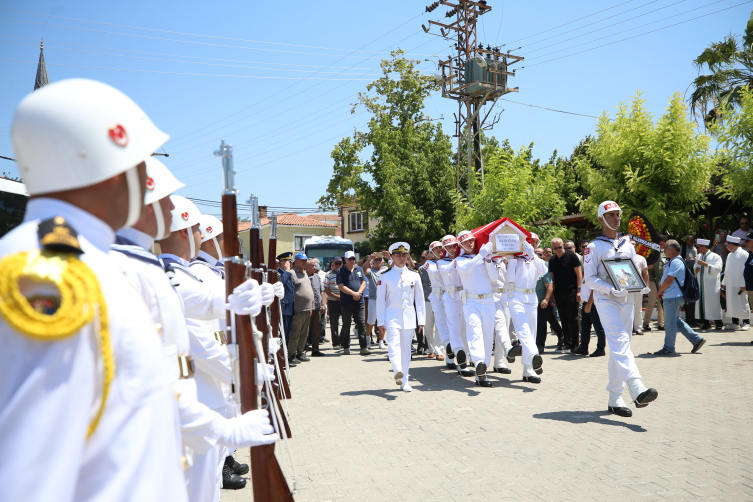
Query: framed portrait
[(624, 274)]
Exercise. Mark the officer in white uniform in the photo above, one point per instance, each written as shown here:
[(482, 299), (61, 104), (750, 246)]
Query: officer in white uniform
[(400, 305), (477, 273), (212, 245), (201, 428), (615, 307), (453, 306), (503, 347), (204, 302), (436, 253), (522, 274), (84, 387)]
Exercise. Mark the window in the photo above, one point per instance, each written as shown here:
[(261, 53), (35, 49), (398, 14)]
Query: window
[(357, 221), (299, 240)]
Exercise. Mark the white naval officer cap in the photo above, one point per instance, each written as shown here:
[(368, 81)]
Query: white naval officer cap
[(607, 206), (400, 247)]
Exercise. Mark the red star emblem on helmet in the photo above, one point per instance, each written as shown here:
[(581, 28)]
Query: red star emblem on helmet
[(184, 215), (119, 136), (150, 184), (209, 230)]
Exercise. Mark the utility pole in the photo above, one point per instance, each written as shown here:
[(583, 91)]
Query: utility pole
[(474, 76)]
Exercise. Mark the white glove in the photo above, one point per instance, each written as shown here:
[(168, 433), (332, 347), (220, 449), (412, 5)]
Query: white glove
[(619, 293), (273, 346), (267, 294), (260, 375), (250, 429), (645, 291), (279, 289), (485, 250), (528, 250), (246, 299)]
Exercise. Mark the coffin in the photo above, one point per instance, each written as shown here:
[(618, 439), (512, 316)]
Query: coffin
[(505, 235)]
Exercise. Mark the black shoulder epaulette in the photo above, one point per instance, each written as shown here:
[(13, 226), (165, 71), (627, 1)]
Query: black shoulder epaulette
[(57, 235)]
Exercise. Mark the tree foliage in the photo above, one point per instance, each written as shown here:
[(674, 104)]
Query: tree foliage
[(407, 180), (730, 63), (735, 137), (515, 186), (657, 168)]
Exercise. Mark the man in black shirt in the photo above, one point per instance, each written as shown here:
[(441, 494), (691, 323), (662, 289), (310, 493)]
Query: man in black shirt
[(565, 269)]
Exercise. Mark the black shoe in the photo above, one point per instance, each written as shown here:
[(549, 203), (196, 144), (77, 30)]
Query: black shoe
[(461, 358), (695, 325), (452, 366), (598, 353), (536, 362), (236, 466), (294, 362), (318, 353), (466, 372), (663, 352), (483, 383), (532, 379), (504, 371), (581, 352), (230, 480), (622, 411), (706, 326), (646, 397), (646, 327), (698, 346), (449, 353), (516, 350), (660, 328), (302, 357), (472, 364)]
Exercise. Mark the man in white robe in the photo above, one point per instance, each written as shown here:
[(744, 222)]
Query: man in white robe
[(734, 285), (708, 268)]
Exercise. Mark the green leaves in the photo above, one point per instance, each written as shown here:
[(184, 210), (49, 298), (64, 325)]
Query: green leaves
[(659, 168), (735, 137)]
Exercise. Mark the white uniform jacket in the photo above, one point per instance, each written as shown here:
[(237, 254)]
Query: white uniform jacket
[(499, 285), (201, 301), (595, 275), (522, 275), (477, 275), (51, 390), (437, 284), (397, 291), (450, 278)]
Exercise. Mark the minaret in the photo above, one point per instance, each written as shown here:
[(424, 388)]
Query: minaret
[(42, 78)]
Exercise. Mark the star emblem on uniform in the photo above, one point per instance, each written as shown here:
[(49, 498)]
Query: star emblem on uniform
[(209, 229), (118, 135), (184, 215)]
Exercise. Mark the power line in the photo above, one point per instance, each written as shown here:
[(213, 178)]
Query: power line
[(202, 43), (639, 35), (589, 24), (625, 21), (550, 109), (569, 22), (621, 32), (188, 74), (193, 34)]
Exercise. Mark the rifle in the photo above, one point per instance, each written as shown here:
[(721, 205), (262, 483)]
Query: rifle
[(268, 480), (259, 272), (274, 320)]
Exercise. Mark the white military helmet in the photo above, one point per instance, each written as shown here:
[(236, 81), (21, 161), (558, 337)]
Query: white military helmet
[(160, 183), (78, 132), (185, 215), (606, 207), (211, 227), (449, 240)]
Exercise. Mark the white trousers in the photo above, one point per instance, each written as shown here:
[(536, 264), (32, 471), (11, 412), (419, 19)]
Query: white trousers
[(398, 349), (431, 330), (456, 324), (203, 484), (479, 319), (502, 343), (637, 311), (617, 319), (440, 321), (524, 319)]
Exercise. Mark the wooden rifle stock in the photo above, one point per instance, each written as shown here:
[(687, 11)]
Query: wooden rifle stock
[(275, 319), (268, 480), (257, 263)]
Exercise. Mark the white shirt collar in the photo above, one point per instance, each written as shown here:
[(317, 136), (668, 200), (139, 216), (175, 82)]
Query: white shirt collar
[(399, 269), (208, 257), (94, 230), (146, 241), (177, 258)]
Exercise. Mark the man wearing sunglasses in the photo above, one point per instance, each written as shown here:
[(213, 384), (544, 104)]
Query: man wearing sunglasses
[(564, 267), (352, 282)]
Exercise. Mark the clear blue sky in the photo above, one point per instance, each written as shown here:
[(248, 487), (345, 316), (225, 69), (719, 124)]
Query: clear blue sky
[(279, 85)]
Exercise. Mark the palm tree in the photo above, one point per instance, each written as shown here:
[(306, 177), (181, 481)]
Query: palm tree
[(731, 65)]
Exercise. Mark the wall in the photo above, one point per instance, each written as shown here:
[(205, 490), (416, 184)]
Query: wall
[(285, 234), (358, 236)]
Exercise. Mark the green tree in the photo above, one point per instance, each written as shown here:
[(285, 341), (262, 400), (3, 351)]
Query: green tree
[(735, 137), (408, 178), (657, 168), (515, 186), (730, 63)]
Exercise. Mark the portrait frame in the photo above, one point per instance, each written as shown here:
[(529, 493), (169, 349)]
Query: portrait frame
[(624, 274)]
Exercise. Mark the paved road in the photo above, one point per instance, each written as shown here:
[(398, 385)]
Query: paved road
[(357, 437)]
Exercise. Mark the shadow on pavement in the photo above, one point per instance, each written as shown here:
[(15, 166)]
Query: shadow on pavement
[(733, 344), (582, 417), (389, 395), (652, 356)]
